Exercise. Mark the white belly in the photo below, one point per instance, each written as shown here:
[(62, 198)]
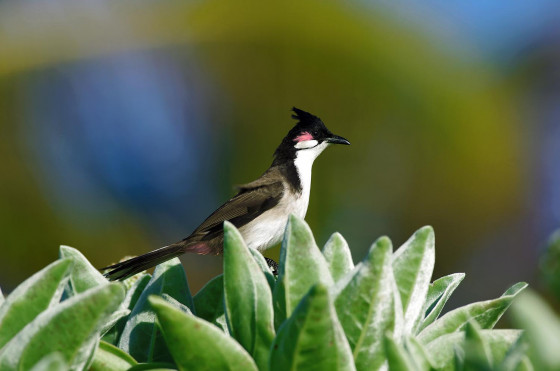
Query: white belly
[(267, 230)]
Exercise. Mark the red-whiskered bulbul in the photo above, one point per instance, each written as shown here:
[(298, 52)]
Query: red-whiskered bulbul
[(261, 208)]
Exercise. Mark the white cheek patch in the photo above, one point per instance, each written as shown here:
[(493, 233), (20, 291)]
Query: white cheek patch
[(306, 144)]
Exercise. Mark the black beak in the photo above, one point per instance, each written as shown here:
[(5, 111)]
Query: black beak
[(335, 139)]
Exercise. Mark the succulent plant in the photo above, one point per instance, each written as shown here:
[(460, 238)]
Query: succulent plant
[(320, 313)]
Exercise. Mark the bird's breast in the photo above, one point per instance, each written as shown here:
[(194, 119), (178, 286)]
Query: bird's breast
[(268, 228)]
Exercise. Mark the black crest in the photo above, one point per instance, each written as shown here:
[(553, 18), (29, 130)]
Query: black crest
[(306, 118), (307, 122)]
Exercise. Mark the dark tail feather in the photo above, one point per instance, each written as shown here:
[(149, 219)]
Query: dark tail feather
[(130, 267)]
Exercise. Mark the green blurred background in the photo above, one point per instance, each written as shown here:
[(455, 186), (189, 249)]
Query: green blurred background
[(124, 124)]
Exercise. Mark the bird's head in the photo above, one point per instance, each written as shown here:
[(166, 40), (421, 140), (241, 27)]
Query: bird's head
[(308, 137)]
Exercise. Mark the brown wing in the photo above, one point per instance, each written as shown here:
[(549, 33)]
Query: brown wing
[(252, 200)]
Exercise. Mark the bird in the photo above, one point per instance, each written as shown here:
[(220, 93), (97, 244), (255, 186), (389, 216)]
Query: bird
[(261, 208)]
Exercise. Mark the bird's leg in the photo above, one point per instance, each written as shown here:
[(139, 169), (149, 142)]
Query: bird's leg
[(272, 265)]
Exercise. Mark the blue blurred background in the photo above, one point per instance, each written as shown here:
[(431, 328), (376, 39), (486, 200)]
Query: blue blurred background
[(124, 124)]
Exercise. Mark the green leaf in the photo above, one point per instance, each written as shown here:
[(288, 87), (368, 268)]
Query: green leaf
[(247, 298), (302, 265), (397, 357), (118, 315), (135, 291), (141, 337), (542, 328), (312, 338), (413, 264), (476, 349), (182, 307), (71, 328), (418, 355), (83, 276), (365, 305), (550, 264), (442, 350), (486, 313), (153, 366), (338, 256), (198, 345), (33, 296), (516, 357), (52, 362), (132, 296), (209, 303), (2, 299), (439, 292), (259, 258), (110, 358)]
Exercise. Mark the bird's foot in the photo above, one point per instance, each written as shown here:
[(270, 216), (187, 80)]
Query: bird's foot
[(272, 265)]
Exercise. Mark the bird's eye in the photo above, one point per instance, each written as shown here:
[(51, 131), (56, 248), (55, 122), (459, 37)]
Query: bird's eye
[(306, 144)]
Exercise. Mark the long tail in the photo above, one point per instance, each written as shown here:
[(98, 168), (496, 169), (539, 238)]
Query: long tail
[(130, 267)]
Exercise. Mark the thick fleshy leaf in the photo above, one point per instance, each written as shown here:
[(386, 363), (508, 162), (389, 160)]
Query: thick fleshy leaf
[(542, 328), (52, 362), (259, 258), (196, 344), (2, 299), (135, 291), (153, 366), (209, 302), (141, 337), (516, 357), (397, 357), (71, 328), (439, 292), (83, 276), (33, 296), (132, 295), (118, 315), (338, 256), (365, 306), (442, 350), (247, 298), (550, 264), (413, 265), (312, 338), (110, 358), (182, 307), (486, 313), (476, 349), (302, 265), (417, 353)]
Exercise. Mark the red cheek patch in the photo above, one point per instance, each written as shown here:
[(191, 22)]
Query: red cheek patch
[(303, 136)]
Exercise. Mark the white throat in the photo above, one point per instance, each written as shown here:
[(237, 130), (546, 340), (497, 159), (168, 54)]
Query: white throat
[(303, 163)]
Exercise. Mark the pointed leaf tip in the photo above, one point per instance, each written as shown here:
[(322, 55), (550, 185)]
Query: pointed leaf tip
[(413, 265), (515, 289), (302, 265), (229, 227), (486, 313), (381, 246), (39, 292), (438, 293), (84, 276), (366, 307), (338, 256)]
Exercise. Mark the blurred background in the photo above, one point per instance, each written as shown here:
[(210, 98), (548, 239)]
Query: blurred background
[(124, 124)]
